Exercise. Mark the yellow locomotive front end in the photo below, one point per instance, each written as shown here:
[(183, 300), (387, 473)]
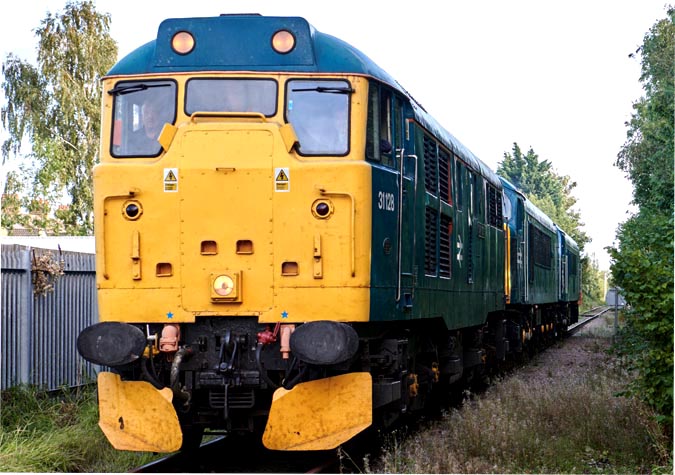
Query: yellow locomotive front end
[(230, 212)]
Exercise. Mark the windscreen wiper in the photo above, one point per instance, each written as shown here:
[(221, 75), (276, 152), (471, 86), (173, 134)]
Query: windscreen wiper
[(328, 90), (128, 89)]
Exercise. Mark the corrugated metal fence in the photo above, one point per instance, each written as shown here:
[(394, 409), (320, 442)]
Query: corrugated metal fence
[(38, 334)]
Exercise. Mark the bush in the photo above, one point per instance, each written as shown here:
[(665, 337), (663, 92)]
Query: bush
[(643, 261), (643, 268)]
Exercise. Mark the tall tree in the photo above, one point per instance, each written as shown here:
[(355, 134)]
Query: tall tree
[(593, 282), (643, 261), (55, 106), (549, 191)]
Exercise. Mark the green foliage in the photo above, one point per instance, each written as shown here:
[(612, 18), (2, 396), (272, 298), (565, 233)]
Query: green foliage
[(57, 433), (643, 261), (592, 283), (643, 268), (647, 155), (29, 208), (55, 105), (549, 191)]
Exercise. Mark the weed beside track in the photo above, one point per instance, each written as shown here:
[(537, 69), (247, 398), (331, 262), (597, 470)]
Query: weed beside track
[(559, 414), (42, 432)]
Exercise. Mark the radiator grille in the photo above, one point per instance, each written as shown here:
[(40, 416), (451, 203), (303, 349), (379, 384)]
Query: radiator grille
[(495, 215), (445, 247), (430, 232), (444, 175), (430, 165)]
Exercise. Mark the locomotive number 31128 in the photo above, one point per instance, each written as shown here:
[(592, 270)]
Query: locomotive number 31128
[(385, 201)]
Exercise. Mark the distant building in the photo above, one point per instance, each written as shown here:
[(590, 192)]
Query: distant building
[(83, 244), (19, 230), (611, 298)]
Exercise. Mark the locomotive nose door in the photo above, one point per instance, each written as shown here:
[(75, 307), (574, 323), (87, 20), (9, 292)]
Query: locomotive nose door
[(224, 181)]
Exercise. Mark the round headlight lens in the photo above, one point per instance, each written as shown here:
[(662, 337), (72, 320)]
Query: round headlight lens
[(223, 285), (183, 42), (283, 41)]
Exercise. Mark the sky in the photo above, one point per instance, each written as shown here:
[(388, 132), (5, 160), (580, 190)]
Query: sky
[(552, 76)]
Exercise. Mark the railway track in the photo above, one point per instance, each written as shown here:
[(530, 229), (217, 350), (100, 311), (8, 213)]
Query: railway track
[(171, 463), (586, 318), (245, 454)]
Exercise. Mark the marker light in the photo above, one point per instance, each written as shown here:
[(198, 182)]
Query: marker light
[(283, 41), (132, 210), (223, 285), (322, 209), (183, 42)]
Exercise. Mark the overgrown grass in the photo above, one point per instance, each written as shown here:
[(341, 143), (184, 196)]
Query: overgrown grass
[(43, 433), (568, 421)]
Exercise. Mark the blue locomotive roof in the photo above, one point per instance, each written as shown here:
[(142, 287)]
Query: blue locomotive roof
[(566, 240), (530, 209), (508, 186), (233, 43), (449, 140), (243, 43)]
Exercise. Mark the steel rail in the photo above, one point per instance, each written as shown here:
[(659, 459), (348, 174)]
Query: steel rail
[(165, 464), (590, 316)]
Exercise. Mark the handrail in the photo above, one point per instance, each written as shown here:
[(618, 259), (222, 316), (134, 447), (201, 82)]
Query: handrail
[(400, 226), (400, 218), (226, 115)]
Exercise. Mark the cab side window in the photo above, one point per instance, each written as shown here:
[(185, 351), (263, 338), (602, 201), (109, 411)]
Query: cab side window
[(140, 110), (319, 112), (385, 124)]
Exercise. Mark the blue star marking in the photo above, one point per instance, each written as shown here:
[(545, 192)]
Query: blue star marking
[(169, 315), (284, 314)]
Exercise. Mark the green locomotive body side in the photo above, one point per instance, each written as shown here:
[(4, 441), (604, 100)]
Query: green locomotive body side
[(541, 240), (544, 260), (446, 259), (569, 265)]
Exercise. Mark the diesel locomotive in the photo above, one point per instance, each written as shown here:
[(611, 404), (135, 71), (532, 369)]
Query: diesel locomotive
[(288, 243)]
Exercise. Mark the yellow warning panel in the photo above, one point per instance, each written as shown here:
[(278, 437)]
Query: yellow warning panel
[(320, 414), (282, 179), (136, 416)]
